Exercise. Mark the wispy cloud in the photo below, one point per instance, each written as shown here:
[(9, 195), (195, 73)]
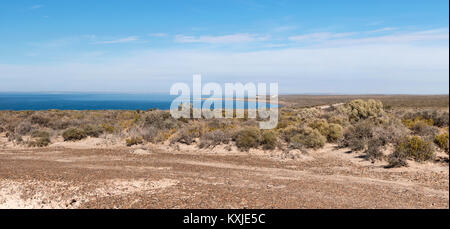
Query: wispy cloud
[(319, 36), (400, 38), (225, 39), (381, 68), (157, 34), (35, 7), (372, 37), (285, 28), (386, 29), (118, 41)]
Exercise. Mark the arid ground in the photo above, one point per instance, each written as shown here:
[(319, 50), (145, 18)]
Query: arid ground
[(75, 175), (326, 152)]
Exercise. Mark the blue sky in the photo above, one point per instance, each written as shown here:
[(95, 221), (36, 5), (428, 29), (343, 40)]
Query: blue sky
[(145, 46)]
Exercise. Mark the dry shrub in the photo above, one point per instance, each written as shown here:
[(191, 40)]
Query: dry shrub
[(13, 137), (390, 131), (40, 120), (308, 114), (357, 136), (160, 119), (150, 133), (183, 136), (214, 138), (396, 160), (74, 134), (23, 128), (374, 147)]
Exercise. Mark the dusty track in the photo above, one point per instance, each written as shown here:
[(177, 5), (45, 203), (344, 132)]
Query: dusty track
[(117, 178)]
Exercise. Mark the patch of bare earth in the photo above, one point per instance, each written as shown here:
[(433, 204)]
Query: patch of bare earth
[(162, 176)]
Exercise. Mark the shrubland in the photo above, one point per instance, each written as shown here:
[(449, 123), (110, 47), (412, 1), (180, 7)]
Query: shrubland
[(359, 125)]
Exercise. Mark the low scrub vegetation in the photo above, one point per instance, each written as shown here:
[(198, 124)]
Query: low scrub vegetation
[(442, 140), (395, 135), (74, 134), (134, 141), (248, 138)]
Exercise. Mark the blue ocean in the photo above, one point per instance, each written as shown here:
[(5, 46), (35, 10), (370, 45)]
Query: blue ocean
[(92, 101)]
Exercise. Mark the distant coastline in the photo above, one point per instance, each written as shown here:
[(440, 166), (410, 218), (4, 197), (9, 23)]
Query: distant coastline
[(94, 101)]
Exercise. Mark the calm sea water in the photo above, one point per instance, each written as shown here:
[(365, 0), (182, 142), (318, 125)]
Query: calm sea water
[(85, 101)]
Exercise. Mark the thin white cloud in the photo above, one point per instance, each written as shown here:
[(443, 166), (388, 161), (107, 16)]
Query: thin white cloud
[(157, 35), (35, 7), (285, 28), (119, 41), (374, 23), (400, 38), (356, 68), (226, 39), (386, 29), (353, 38), (319, 36)]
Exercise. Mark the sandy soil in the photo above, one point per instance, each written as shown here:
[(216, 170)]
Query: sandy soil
[(89, 174)]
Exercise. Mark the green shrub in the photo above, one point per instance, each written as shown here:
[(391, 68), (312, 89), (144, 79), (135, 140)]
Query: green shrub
[(417, 121), (108, 128), (415, 148), (93, 131), (74, 134), (334, 132), (442, 140), (40, 134), (436, 118), (321, 125), (360, 109), (310, 138), (289, 132), (40, 142), (269, 140), (248, 138), (134, 141)]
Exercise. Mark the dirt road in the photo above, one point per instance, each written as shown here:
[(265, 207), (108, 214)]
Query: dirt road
[(59, 177)]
